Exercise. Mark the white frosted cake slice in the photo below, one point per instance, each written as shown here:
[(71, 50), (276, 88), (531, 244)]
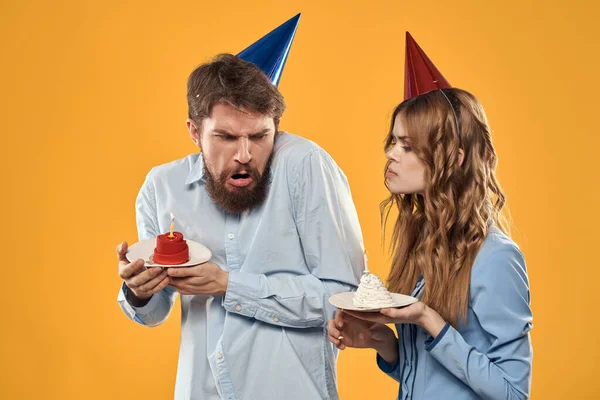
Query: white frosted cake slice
[(372, 293)]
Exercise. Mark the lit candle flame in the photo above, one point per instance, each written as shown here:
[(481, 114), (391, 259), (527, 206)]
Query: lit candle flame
[(171, 236)]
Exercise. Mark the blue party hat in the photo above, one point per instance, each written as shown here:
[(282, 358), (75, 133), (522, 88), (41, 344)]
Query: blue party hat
[(271, 51)]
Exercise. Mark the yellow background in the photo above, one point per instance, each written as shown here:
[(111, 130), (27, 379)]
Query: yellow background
[(93, 96)]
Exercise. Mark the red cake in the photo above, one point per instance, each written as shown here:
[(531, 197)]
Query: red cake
[(171, 251)]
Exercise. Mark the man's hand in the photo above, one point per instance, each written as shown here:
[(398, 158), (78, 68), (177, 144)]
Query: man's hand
[(207, 278), (143, 283)]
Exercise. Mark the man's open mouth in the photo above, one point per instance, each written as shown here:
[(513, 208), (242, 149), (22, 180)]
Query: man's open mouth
[(240, 176)]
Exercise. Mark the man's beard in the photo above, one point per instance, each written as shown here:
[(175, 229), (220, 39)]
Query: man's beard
[(238, 199)]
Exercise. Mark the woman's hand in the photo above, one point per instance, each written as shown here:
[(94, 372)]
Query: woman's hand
[(348, 331), (417, 313)]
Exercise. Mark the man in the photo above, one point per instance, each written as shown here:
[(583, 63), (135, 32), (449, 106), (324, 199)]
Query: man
[(277, 214)]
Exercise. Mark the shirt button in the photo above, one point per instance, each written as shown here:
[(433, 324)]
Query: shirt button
[(276, 319), (231, 236), (238, 308), (219, 355)]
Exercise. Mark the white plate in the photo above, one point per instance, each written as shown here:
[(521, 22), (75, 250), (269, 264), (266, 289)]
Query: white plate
[(344, 301), (145, 248)]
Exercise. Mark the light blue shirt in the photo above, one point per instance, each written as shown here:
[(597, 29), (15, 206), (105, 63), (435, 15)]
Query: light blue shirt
[(487, 358), (266, 338)]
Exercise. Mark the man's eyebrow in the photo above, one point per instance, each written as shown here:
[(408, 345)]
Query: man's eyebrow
[(261, 132), (227, 133), (223, 132)]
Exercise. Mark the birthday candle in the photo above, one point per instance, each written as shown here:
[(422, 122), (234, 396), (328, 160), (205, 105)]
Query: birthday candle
[(366, 264), (172, 226)]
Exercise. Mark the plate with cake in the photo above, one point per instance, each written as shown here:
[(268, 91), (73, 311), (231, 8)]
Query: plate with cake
[(371, 296), (169, 250)]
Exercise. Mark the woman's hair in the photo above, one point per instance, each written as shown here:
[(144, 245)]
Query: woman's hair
[(439, 232)]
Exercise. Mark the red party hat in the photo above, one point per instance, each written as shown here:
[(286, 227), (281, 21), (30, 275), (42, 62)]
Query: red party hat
[(420, 75)]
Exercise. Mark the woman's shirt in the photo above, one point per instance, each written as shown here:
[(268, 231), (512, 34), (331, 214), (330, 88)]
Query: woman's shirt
[(490, 356)]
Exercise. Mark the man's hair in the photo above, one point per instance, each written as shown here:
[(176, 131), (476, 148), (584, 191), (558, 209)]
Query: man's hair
[(228, 79)]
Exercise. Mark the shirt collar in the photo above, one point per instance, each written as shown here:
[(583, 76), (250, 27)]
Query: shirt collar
[(196, 171)]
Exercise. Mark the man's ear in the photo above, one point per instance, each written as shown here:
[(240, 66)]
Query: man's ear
[(193, 130)]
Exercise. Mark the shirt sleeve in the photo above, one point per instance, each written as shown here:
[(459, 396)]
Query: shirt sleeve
[(501, 304), (331, 240), (156, 311), (392, 370)]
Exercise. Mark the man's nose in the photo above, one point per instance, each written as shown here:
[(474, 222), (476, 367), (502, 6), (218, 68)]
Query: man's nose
[(242, 154)]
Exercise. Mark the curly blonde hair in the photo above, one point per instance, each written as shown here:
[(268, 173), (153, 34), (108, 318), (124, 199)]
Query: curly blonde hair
[(438, 233)]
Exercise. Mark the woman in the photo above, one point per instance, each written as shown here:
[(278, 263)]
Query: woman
[(468, 335)]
